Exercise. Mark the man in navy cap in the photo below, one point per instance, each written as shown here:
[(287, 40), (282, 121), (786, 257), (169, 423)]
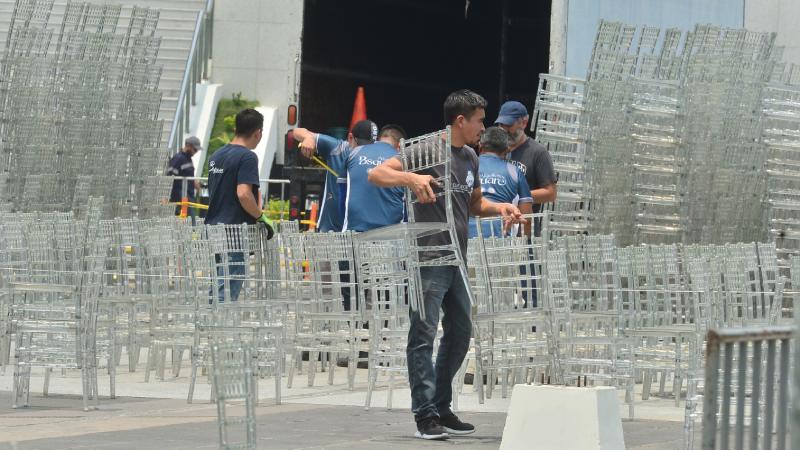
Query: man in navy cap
[(531, 157), (335, 152), (181, 165)]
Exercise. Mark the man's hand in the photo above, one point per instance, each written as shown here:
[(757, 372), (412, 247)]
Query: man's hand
[(511, 215), (308, 147), (308, 141), (422, 186), (268, 224)]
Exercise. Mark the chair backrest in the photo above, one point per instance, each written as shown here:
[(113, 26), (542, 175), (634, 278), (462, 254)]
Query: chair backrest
[(429, 154), (232, 368)]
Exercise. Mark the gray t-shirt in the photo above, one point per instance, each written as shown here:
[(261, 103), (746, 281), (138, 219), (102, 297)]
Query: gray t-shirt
[(535, 162), (464, 179)]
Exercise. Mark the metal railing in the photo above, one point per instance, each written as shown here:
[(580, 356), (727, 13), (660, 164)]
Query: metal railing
[(264, 183), (754, 394), (197, 69)]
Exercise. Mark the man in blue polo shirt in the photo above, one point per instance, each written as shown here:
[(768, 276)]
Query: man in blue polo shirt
[(369, 206), (501, 182), (334, 152)]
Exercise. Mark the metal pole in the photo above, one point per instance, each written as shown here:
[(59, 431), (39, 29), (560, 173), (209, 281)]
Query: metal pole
[(755, 397), (783, 394), (740, 395), (769, 395), (503, 45), (283, 189), (727, 374)]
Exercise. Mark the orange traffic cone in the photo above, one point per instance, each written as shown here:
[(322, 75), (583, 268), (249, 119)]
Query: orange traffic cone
[(359, 108)]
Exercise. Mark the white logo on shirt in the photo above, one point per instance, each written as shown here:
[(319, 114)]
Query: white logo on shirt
[(522, 167), (470, 179), (365, 161), (214, 170), (494, 179)]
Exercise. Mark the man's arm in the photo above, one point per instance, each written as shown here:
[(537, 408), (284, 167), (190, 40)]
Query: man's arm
[(391, 174), (546, 175), (546, 194), (245, 194), (479, 206), (526, 208)]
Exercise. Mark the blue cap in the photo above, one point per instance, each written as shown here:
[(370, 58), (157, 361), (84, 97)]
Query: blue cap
[(510, 112)]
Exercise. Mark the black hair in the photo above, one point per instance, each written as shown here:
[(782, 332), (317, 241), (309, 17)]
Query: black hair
[(495, 140), (248, 121), (393, 131), (462, 102)]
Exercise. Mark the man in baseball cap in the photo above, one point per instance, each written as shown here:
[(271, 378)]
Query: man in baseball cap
[(510, 113), (364, 132), (531, 157), (335, 152), (181, 165)]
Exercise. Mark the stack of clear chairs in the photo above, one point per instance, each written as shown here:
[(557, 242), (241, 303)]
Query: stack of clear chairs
[(590, 324), (324, 325), (96, 80), (672, 133), (668, 325), (509, 326), (653, 114), (743, 304), (559, 123), (54, 299), (125, 306), (173, 313), (781, 137), (383, 277), (227, 308), (233, 384)]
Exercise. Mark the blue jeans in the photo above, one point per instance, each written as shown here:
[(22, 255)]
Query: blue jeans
[(235, 272), (431, 387), (528, 269)]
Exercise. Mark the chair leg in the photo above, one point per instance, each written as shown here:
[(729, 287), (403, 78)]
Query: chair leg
[(373, 377), (290, 375), (192, 381), (46, 388)]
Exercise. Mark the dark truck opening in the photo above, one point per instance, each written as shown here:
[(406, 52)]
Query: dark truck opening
[(408, 55)]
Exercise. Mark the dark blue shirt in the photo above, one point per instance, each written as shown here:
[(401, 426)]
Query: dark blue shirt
[(181, 166), (369, 206), (230, 166)]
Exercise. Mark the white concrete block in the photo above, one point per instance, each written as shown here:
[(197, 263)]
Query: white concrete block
[(560, 417)]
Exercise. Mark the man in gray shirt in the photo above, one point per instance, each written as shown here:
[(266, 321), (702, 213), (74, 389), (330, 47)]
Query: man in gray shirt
[(443, 287), (531, 157)]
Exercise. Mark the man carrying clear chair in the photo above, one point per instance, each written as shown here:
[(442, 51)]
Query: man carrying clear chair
[(443, 287)]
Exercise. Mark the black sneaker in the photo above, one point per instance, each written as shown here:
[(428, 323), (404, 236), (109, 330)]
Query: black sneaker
[(453, 426), (430, 429)]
